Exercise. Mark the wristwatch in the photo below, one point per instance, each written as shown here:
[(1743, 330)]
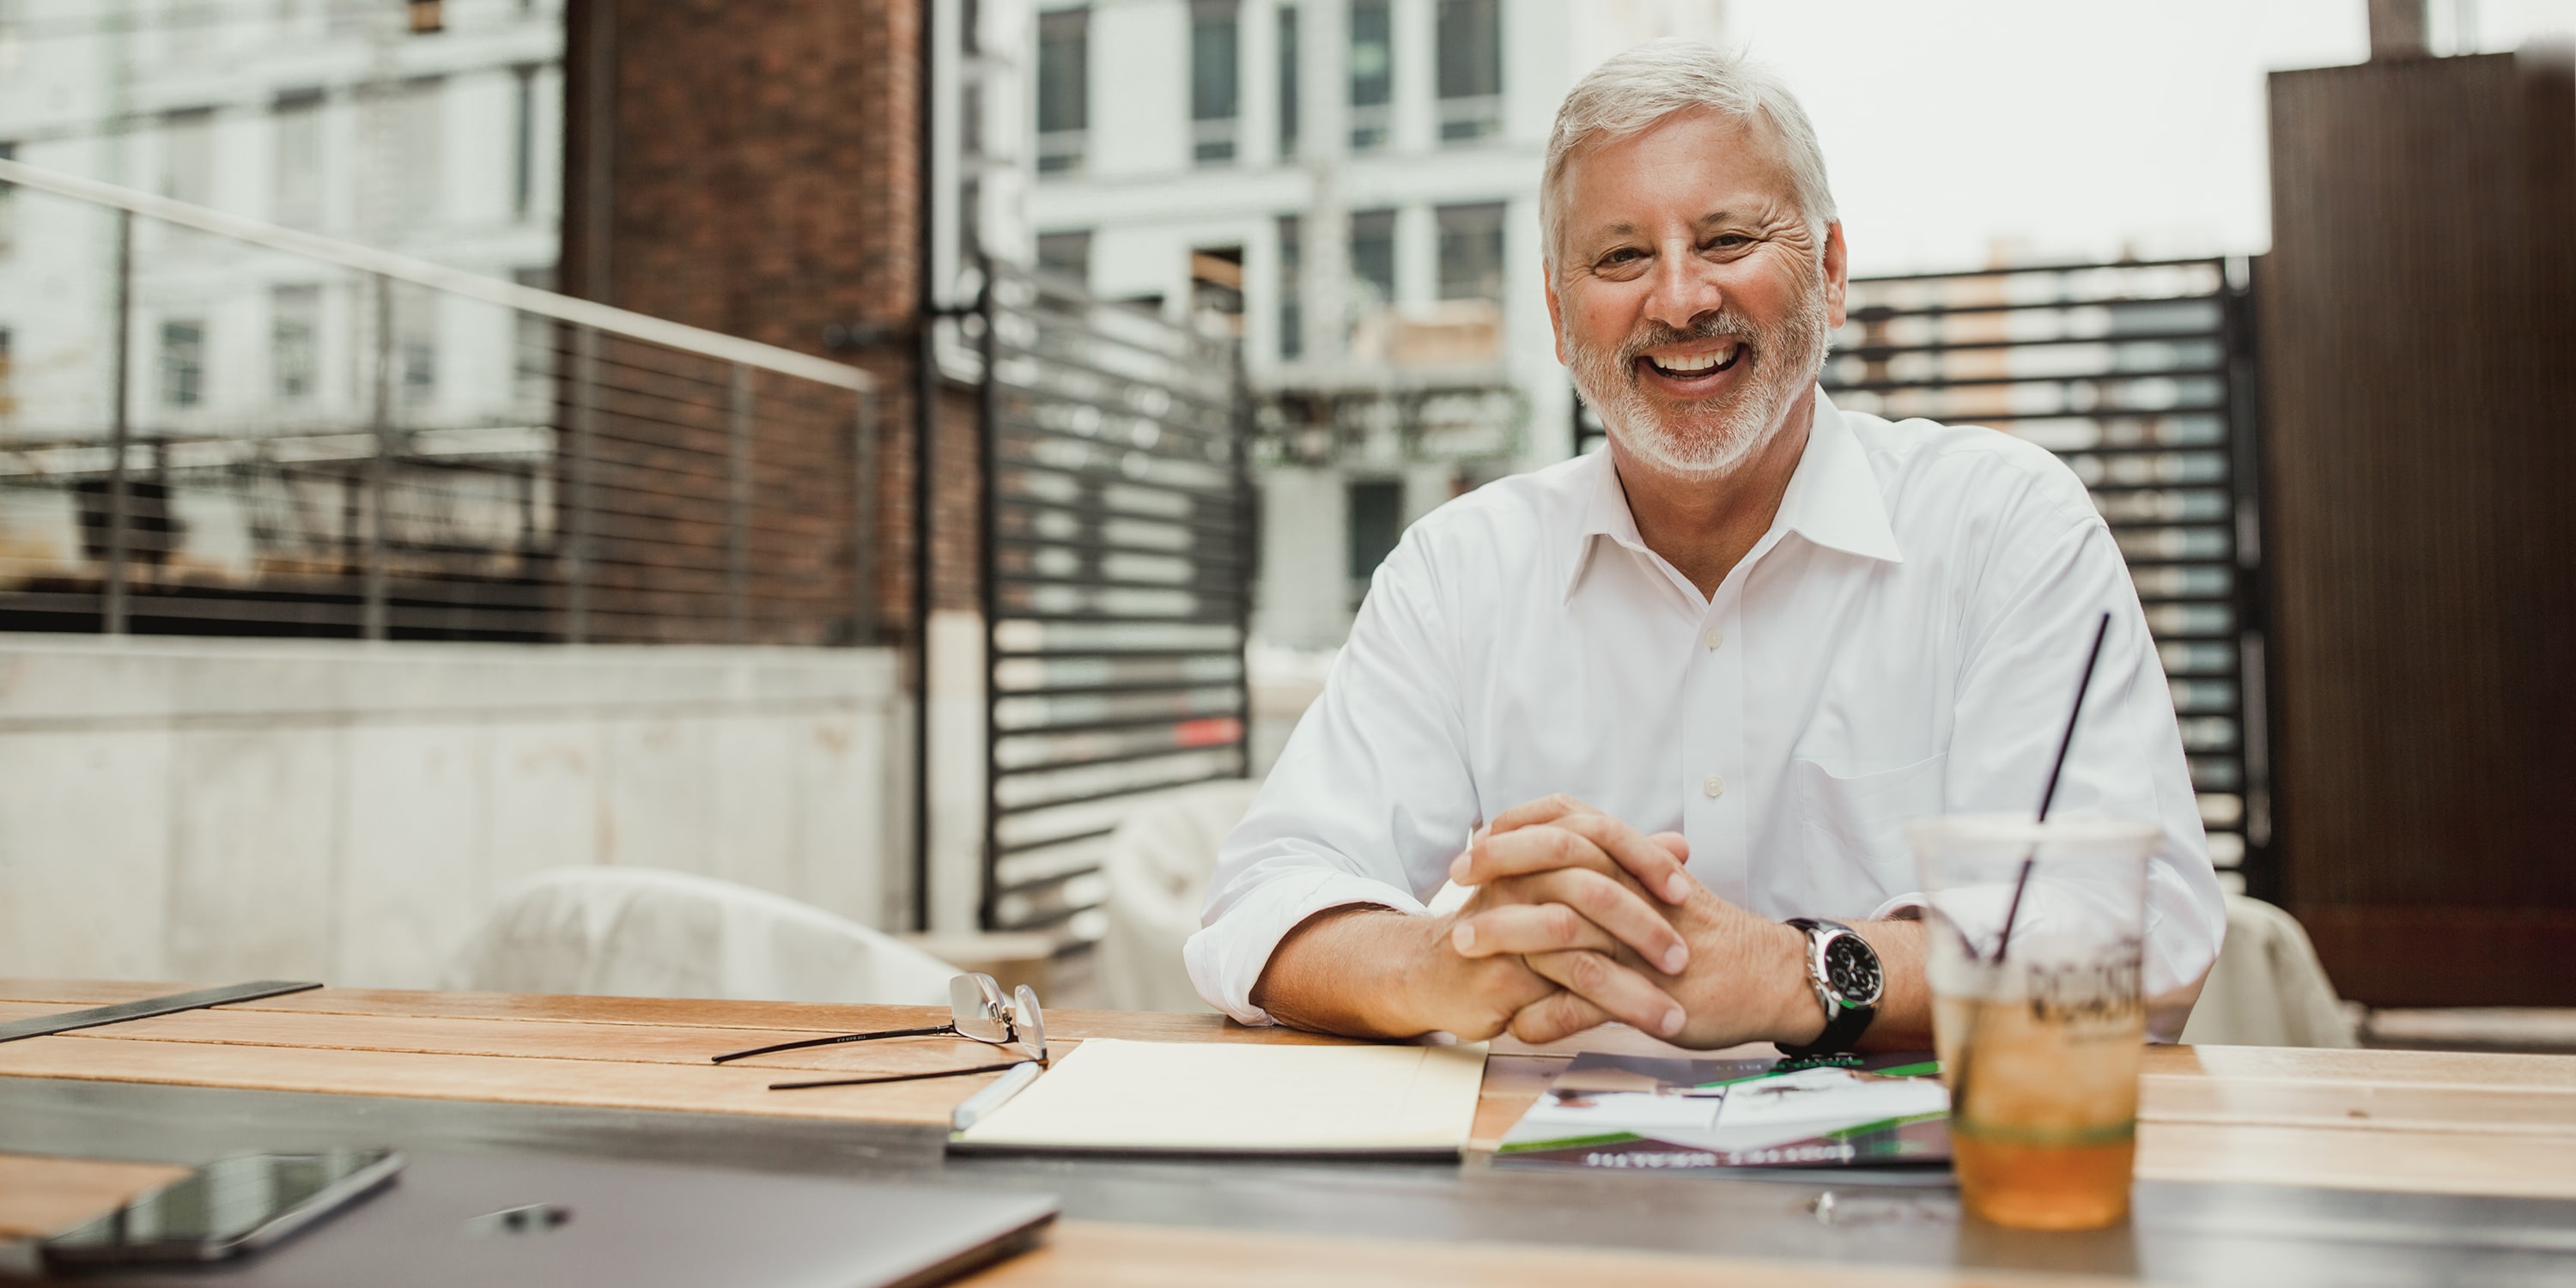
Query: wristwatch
[(1844, 971)]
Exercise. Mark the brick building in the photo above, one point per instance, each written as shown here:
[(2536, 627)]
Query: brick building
[(755, 168)]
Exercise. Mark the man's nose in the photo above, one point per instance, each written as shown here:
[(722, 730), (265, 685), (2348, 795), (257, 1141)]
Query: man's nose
[(1685, 286)]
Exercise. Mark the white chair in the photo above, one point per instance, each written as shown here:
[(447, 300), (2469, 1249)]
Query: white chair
[(2268, 988), (1157, 869), (646, 932)]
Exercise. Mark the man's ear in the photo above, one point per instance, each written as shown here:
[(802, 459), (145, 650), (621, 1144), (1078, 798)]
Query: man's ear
[(1556, 311), (1837, 272)]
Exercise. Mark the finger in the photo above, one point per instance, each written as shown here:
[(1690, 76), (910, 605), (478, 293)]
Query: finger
[(1528, 928), (1654, 865), (1556, 1017), (1675, 842), (1546, 809), (1612, 906), (1494, 856), (1594, 841), (1622, 992)]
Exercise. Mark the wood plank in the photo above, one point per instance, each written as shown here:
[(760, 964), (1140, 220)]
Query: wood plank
[(520, 1080), (2361, 1106), (628, 1043), (88, 992), (783, 1017), (2435, 1162), (2426, 1068), (1089, 1254), (41, 1196)]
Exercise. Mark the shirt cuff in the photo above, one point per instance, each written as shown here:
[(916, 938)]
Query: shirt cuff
[(1904, 907), (1226, 957)]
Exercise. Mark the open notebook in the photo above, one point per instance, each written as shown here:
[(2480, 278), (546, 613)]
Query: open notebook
[(1242, 1098)]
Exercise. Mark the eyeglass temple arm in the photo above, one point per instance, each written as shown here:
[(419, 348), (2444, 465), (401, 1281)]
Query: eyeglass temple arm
[(846, 1037), (903, 1077)]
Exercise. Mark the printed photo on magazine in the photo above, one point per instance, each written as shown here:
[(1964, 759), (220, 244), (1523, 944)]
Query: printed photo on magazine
[(1645, 1112)]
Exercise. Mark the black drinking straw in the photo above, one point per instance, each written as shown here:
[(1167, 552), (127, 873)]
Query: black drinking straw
[(2048, 795)]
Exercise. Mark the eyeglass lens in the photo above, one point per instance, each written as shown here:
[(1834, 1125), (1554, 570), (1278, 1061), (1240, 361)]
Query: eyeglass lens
[(978, 1008), (1031, 1023)]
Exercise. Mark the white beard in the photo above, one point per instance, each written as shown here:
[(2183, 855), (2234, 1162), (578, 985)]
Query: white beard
[(1708, 439)]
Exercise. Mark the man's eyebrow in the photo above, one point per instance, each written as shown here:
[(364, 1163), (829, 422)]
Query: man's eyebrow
[(1625, 229)]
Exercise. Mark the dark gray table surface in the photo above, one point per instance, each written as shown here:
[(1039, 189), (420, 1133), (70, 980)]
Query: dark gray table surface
[(2180, 1234)]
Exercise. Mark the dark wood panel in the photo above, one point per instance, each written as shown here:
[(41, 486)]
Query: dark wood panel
[(2435, 956), (2419, 351)]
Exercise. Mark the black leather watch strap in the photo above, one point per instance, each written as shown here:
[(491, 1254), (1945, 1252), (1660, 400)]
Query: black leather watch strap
[(1845, 1020)]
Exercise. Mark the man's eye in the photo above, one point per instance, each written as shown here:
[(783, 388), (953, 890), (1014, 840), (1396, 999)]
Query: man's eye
[(1623, 255), (1729, 241)]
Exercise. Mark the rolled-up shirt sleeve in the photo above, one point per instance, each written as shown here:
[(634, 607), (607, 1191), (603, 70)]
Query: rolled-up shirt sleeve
[(2026, 635), (1370, 799)]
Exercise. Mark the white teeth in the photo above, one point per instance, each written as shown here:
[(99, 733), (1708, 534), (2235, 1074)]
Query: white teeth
[(1685, 364)]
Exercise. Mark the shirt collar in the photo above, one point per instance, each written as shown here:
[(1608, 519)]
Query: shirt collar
[(1834, 500)]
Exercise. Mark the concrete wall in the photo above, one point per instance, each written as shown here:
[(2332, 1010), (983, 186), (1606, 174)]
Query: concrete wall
[(217, 809)]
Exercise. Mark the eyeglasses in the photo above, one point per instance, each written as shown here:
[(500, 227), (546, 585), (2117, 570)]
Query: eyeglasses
[(977, 1009)]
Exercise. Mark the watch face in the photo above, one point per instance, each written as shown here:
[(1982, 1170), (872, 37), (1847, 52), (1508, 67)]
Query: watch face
[(1851, 968)]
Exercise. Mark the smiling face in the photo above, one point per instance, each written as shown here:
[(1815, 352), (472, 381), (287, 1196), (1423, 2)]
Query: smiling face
[(1691, 296)]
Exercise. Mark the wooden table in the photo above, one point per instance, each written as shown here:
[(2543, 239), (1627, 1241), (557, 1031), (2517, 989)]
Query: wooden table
[(2444, 1141)]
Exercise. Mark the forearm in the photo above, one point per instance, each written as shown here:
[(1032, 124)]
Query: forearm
[(1343, 971), (1755, 987)]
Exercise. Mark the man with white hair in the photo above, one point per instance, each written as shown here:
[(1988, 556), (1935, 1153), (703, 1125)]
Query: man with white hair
[(1666, 709)]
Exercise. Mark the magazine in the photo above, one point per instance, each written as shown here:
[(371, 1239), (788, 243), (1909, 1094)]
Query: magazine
[(1647, 1112)]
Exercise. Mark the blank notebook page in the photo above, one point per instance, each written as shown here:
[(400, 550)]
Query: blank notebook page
[(1244, 1097)]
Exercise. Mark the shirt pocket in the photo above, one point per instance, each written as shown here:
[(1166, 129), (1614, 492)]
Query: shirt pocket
[(1852, 831)]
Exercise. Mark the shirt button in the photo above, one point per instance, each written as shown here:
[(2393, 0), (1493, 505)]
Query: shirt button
[(1714, 638), (1713, 786)]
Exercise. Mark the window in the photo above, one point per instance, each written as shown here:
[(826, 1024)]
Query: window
[(1376, 524), (532, 378), (1064, 88), (294, 319), (1066, 254), (1471, 252), (1471, 69), (1214, 63), (523, 139), (8, 204), (419, 115), (416, 345), (1372, 259), (1292, 313), (1372, 74), (187, 156), (183, 363), (1287, 80), (1216, 288), (296, 198)]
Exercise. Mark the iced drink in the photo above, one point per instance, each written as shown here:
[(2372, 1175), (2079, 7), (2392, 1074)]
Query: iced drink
[(2040, 1036)]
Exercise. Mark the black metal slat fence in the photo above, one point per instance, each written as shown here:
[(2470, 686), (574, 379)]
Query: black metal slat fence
[(1117, 559)]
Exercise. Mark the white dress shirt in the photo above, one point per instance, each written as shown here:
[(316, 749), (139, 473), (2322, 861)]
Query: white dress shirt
[(1902, 642)]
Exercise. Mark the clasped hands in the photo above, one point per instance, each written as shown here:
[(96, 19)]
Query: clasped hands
[(1576, 919)]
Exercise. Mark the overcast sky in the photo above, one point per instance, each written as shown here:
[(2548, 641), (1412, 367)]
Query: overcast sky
[(2065, 128)]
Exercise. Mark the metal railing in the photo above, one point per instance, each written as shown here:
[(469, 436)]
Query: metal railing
[(250, 429)]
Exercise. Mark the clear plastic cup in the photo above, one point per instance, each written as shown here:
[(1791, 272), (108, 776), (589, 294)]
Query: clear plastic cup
[(2040, 1039)]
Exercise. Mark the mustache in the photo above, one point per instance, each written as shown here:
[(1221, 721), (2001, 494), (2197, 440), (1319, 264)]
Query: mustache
[(1721, 325)]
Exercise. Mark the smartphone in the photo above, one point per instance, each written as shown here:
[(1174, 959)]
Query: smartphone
[(225, 1209)]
